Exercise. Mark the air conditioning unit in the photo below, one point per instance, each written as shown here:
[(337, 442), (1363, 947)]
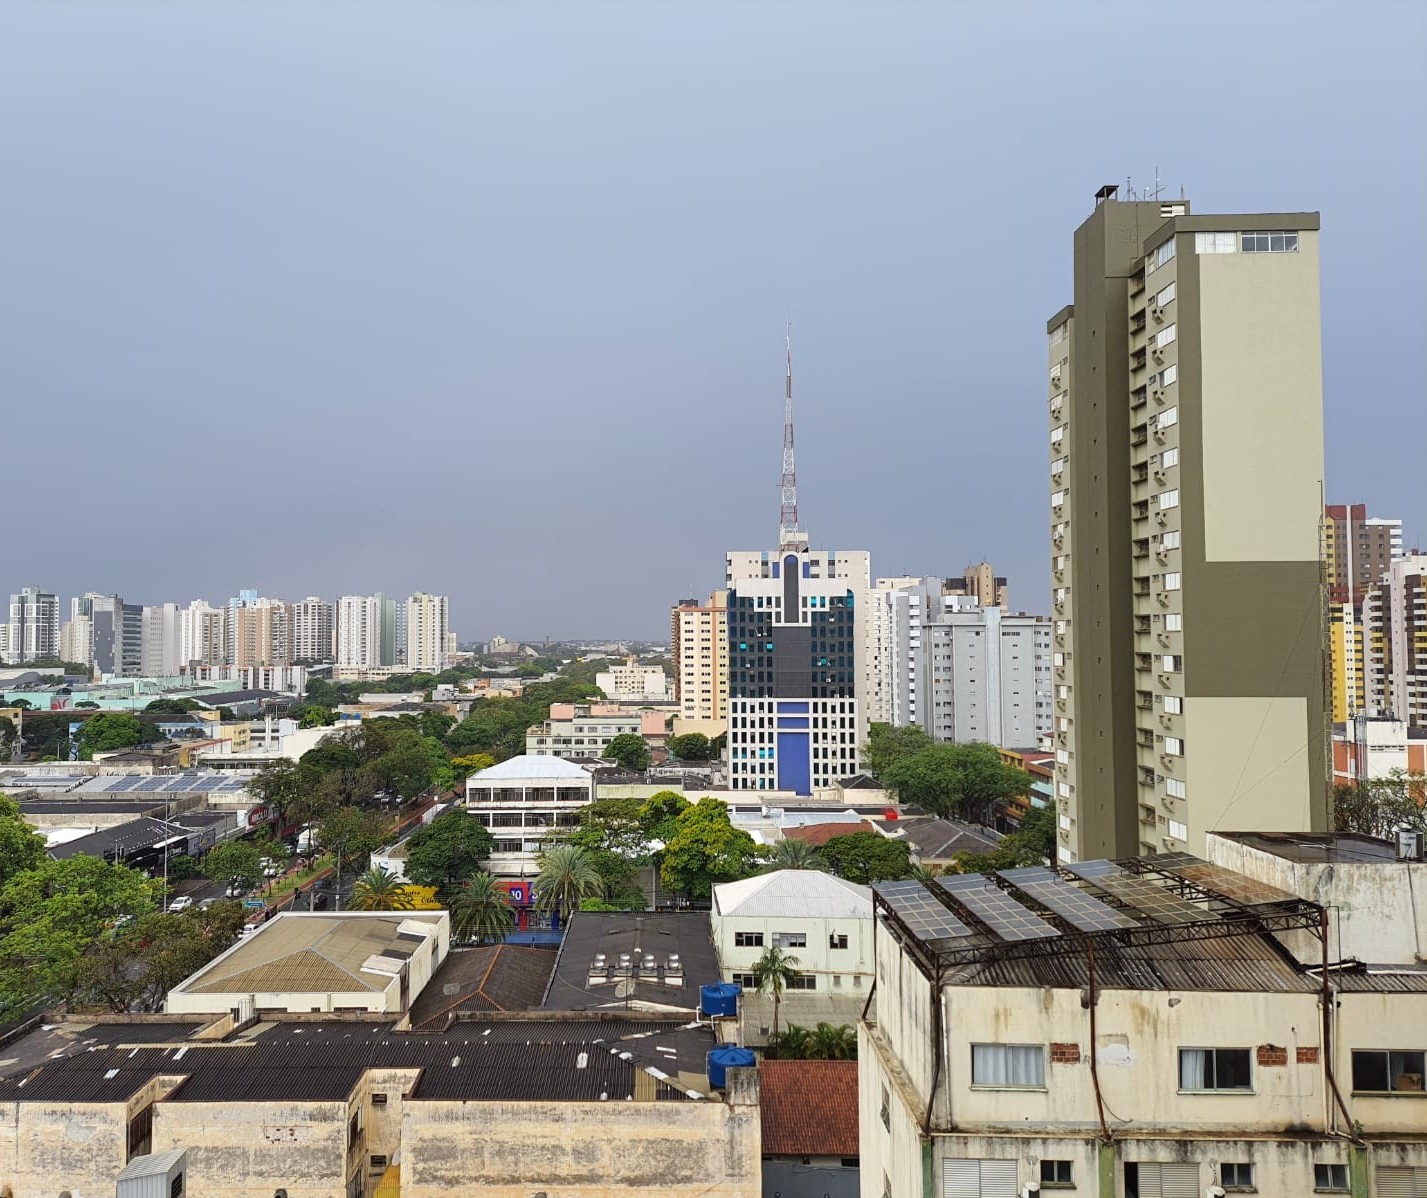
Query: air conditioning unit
[(1056, 382), (1167, 760), (1166, 721), (1164, 681), (1162, 554), (1166, 802), (1157, 395), (1158, 313), (1163, 597), (1159, 435), (1159, 476), (1157, 354), (1167, 841), (1163, 638), (1161, 518), (1410, 845)]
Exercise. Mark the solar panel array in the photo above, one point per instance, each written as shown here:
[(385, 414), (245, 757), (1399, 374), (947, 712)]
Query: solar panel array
[(1154, 902), (1078, 909), (1231, 885), (919, 910), (995, 908), (175, 784)]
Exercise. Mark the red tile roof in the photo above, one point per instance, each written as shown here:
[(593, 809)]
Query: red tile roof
[(820, 834), (809, 1108)]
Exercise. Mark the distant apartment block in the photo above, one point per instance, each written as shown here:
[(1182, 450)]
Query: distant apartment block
[(698, 644), (1186, 461), (314, 630), (1395, 642), (33, 626), (632, 682), (118, 636), (1358, 550), (585, 729), (981, 583), (262, 635), (161, 641), (426, 625)]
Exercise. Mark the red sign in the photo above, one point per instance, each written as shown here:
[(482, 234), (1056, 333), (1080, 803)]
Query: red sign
[(260, 815)]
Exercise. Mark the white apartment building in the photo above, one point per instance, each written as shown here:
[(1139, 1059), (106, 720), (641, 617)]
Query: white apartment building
[(427, 625), (899, 606), (1130, 1033), (76, 640), (203, 634), (698, 643), (585, 729), (1395, 641), (524, 801), (632, 682), (314, 630), (359, 631), (161, 641), (33, 626)]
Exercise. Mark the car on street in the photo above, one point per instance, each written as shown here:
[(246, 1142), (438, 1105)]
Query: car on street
[(182, 903), (235, 889)]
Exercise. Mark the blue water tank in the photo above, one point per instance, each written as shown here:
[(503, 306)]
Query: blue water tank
[(724, 1058), (719, 999)]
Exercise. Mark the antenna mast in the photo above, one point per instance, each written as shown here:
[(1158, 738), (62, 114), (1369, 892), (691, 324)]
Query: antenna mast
[(790, 534)]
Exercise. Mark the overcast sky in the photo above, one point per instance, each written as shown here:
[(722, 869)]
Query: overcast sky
[(487, 299)]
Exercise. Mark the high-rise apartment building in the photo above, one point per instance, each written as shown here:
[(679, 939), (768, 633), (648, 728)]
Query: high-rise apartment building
[(33, 626), (161, 641), (981, 583), (698, 643), (117, 635), (359, 631), (1395, 642), (314, 630), (1186, 438), (898, 609), (1358, 549), (426, 625), (203, 635), (262, 635), (76, 641)]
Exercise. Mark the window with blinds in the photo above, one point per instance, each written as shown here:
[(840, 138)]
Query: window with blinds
[(977, 1178), (1401, 1181), (1174, 1179)]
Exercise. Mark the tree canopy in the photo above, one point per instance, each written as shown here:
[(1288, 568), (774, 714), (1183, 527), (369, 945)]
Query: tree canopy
[(865, 857), (1033, 843), (172, 707), (1381, 806), (967, 780), (629, 751), (234, 861), (886, 745), (109, 730), (705, 849), (692, 746), (448, 851)]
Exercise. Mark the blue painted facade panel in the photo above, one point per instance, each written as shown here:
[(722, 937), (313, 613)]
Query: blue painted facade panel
[(795, 763)]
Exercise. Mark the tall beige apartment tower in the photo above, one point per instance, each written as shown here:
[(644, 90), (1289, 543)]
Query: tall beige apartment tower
[(1186, 430)]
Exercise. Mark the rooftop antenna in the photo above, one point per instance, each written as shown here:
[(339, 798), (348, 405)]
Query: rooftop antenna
[(790, 533), (1158, 187)]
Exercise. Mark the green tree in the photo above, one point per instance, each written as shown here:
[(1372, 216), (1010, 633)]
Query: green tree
[(21, 847), (280, 785), (86, 705), (706, 849), (865, 857), (833, 1043), (887, 745), (717, 746), (20, 704), (495, 726), (313, 715), (235, 860), (793, 1043), (791, 853), (969, 780), (380, 890), (480, 910), (331, 753), (1033, 843), (351, 834), (773, 973), (1381, 806), (52, 916), (660, 813), (472, 763), (172, 707), (693, 746), (109, 730), (567, 875), (449, 851), (629, 751)]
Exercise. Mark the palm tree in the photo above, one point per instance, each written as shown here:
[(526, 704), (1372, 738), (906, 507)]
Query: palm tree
[(795, 854), (379, 890), (829, 1043), (481, 910), (793, 1044), (922, 873), (773, 973), (567, 875)]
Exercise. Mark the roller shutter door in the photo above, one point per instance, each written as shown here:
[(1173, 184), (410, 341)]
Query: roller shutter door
[(978, 1179)]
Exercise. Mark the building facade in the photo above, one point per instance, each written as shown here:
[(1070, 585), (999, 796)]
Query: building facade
[(1358, 550), (524, 801), (262, 634), (798, 627), (33, 626), (118, 636), (981, 583), (1187, 577), (314, 630), (633, 682), (1395, 641), (698, 644), (426, 626), (359, 625), (585, 729), (161, 641)]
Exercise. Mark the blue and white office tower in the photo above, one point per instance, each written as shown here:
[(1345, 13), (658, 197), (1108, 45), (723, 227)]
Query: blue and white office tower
[(797, 653)]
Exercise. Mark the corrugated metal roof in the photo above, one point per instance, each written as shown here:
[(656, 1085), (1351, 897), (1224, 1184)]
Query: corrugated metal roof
[(795, 894), (527, 767)]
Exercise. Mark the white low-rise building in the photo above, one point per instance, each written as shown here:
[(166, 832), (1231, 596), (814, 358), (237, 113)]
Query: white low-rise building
[(522, 801), (823, 922)]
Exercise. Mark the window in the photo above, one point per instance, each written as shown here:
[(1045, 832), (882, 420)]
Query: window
[(1144, 1180), (1214, 1069), (175, 1189), (1175, 788), (978, 1179), (1388, 1071), (1215, 243), (837, 940), (788, 940), (1170, 540), (1333, 1178), (378, 1100), (1165, 337), (1008, 1065), (748, 939), (1174, 746), (1269, 243), (1168, 375), (803, 981), (1236, 1175), (1174, 621), (1172, 663), (1158, 256), (1167, 419), (1171, 580), (1057, 498), (1165, 296), (886, 1114), (1169, 499), (378, 1161), (1173, 705), (1056, 1173), (1178, 829)]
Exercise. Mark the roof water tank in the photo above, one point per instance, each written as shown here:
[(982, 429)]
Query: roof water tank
[(727, 1057), (719, 999)]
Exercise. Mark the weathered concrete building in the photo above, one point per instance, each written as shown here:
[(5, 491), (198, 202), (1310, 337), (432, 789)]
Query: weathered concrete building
[(581, 1107), (1131, 1030)]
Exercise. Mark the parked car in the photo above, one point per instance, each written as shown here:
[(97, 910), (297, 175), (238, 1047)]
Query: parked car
[(182, 903), (235, 889)]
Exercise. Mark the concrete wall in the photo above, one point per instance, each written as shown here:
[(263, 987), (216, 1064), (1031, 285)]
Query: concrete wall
[(183, 1002), (816, 958), (48, 1147), (581, 1150), (1379, 910)]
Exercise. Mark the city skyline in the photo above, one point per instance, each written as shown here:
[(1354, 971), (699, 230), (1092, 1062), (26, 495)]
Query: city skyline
[(459, 343)]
